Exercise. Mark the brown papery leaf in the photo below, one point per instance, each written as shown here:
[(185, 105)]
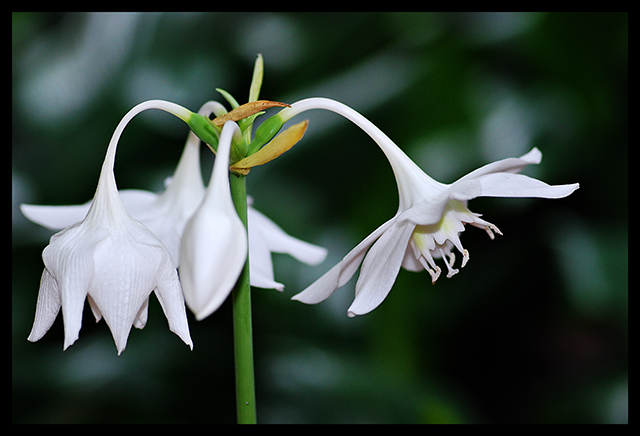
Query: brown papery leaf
[(246, 110)]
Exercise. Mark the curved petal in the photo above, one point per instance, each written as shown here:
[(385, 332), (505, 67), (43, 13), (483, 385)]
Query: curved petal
[(380, 268), (342, 272), (55, 217), (60, 217), (169, 293), (518, 185), (47, 307), (260, 265), (280, 242), (509, 165)]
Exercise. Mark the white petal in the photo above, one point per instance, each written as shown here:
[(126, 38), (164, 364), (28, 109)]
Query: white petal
[(125, 271), (137, 201), (55, 217), (260, 264), (380, 268), (509, 165), (171, 298), (68, 258), (342, 272), (280, 242), (47, 307), (60, 217), (518, 185)]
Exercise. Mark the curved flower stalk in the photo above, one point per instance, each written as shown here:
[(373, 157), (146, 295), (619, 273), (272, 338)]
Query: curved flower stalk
[(214, 242), (164, 214), (429, 219), (111, 260)]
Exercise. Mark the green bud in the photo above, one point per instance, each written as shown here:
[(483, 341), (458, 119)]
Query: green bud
[(204, 129), (267, 130)]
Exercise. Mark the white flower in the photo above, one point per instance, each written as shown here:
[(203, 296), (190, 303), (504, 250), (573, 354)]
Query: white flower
[(113, 261), (430, 217), (214, 242)]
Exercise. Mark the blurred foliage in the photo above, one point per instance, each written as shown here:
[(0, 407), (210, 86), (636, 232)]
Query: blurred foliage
[(533, 330)]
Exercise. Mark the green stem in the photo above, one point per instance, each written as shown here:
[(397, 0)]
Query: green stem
[(242, 330)]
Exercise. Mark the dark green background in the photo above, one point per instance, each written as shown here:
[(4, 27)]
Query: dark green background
[(533, 330)]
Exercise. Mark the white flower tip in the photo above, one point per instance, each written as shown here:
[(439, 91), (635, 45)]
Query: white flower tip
[(534, 156)]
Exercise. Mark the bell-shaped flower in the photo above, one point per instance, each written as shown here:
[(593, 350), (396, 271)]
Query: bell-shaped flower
[(214, 242), (111, 260), (429, 219)]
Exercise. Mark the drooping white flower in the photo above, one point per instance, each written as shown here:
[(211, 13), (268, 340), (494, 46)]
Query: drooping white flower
[(429, 219), (214, 242), (111, 260)]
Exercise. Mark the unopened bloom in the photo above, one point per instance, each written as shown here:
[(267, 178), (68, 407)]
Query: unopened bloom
[(429, 219), (214, 242), (111, 260)]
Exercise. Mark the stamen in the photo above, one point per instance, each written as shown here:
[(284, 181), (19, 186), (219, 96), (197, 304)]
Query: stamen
[(465, 258), (452, 258), (435, 272)]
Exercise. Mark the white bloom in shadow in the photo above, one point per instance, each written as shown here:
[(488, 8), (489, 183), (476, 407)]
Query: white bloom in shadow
[(429, 219), (111, 260)]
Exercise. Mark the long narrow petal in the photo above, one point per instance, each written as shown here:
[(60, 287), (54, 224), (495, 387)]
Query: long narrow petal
[(60, 217), (55, 217), (518, 185), (169, 293), (261, 266), (380, 268), (279, 241), (508, 165), (342, 272), (47, 307)]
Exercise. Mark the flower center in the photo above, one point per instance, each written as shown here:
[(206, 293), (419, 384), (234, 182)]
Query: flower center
[(435, 241)]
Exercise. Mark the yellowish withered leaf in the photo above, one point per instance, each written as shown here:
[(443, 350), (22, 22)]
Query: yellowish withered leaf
[(278, 145), (246, 110)]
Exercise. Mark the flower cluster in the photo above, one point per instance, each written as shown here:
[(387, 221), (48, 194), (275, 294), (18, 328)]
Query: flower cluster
[(189, 244)]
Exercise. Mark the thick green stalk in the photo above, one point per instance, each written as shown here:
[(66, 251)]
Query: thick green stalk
[(242, 330)]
